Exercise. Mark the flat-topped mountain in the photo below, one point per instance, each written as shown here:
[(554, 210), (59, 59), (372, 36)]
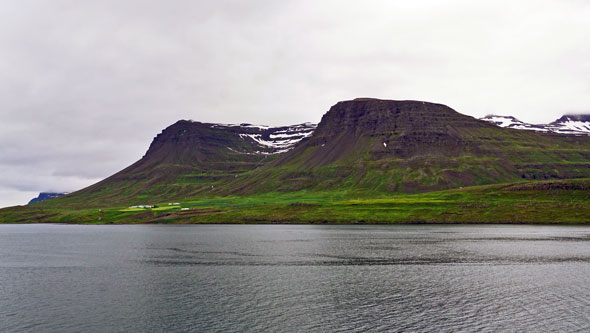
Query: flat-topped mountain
[(414, 146), (386, 128), (384, 146)]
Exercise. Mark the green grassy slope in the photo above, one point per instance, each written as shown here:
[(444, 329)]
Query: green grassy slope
[(562, 201)]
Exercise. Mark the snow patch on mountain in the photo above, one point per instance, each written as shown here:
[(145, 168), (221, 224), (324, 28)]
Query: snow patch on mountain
[(571, 124), (271, 140), (503, 121), (568, 124), (262, 127)]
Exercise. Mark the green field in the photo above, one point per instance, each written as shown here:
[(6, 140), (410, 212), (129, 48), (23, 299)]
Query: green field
[(559, 201)]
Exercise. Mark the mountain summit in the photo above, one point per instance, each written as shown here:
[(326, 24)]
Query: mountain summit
[(385, 129)]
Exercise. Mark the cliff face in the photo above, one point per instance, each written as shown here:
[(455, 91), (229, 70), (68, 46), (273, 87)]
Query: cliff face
[(375, 116), (387, 129)]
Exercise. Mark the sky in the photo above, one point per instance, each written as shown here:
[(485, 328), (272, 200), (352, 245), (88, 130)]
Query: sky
[(86, 85)]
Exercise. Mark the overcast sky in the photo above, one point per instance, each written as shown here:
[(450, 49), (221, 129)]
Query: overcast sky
[(85, 85)]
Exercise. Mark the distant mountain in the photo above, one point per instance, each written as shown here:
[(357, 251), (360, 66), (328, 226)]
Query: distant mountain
[(511, 122), (568, 124), (46, 195), (367, 145), (571, 124)]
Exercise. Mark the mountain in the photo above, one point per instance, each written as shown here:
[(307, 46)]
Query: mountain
[(190, 157), (568, 124), (512, 122), (380, 146), (571, 124), (414, 146), (46, 195)]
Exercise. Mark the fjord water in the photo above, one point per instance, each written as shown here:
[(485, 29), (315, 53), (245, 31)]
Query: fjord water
[(67, 278)]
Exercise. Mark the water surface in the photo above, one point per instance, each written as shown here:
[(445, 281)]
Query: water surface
[(236, 278)]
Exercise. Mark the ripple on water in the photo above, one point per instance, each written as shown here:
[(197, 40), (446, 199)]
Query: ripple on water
[(294, 278)]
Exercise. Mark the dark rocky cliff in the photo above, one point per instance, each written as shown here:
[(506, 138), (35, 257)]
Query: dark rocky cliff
[(375, 116), (387, 128)]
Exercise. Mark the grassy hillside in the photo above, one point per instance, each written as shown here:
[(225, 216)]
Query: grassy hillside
[(563, 201)]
